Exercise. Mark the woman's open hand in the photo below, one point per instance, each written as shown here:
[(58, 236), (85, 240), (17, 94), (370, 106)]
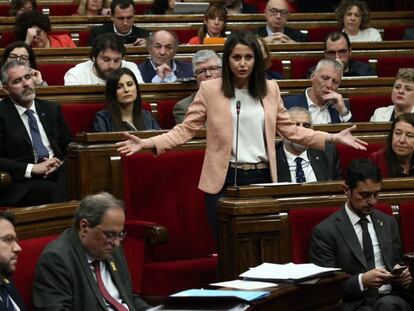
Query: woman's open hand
[(345, 137), (133, 144)]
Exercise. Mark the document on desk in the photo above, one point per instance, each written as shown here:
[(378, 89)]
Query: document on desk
[(245, 285), (288, 273), (240, 294)]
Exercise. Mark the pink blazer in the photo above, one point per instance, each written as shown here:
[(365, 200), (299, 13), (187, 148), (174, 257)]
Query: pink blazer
[(212, 108)]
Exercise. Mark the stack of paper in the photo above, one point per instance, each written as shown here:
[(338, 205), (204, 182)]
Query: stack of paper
[(240, 294), (290, 272)]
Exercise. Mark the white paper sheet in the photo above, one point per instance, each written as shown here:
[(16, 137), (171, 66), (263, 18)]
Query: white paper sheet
[(246, 285)]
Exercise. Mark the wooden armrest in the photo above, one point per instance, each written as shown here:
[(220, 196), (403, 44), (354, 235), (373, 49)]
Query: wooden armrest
[(150, 231), (5, 180)]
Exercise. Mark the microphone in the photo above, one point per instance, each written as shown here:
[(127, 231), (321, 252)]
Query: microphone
[(238, 105)]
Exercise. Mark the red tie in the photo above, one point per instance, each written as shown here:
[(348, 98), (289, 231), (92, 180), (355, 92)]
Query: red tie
[(111, 300)]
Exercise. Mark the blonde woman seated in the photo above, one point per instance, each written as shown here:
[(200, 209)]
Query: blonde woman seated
[(93, 8), (214, 24), (123, 105), (353, 16), (402, 97)]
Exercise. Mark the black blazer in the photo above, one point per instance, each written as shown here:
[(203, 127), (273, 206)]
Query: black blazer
[(294, 34), (325, 163), (183, 70), (109, 28), (299, 100), (103, 122), (14, 294), (16, 149)]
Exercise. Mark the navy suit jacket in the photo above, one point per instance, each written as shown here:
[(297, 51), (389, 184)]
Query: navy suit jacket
[(109, 28), (14, 294), (325, 163), (16, 149), (334, 243), (299, 100), (294, 34), (183, 70)]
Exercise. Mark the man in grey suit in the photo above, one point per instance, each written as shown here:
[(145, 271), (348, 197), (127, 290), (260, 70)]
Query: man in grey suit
[(364, 243), (206, 66), (317, 165), (85, 267)]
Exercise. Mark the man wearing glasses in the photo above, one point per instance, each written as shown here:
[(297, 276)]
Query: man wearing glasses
[(206, 66), (338, 46), (276, 14), (9, 251), (85, 268)]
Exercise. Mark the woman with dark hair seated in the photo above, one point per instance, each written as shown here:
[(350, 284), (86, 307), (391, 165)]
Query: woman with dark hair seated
[(396, 159), (214, 24), (18, 7), (33, 28), (123, 105), (23, 52)]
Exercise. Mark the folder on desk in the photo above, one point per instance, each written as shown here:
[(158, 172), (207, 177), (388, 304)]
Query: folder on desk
[(287, 273)]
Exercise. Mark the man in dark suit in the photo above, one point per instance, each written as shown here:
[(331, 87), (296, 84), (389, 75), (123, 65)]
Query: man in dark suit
[(338, 46), (323, 101), (161, 66), (122, 25), (33, 141), (238, 7), (364, 243), (316, 165), (85, 267), (9, 251), (275, 31)]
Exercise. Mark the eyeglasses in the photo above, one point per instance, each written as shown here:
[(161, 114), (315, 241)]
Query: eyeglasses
[(24, 58), (112, 236), (332, 54), (9, 239), (274, 11), (203, 72)]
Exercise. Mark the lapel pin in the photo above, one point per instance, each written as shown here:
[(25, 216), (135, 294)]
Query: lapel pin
[(113, 266), (380, 222)]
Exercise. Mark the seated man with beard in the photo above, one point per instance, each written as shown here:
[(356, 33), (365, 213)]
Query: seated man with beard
[(297, 163), (106, 55)]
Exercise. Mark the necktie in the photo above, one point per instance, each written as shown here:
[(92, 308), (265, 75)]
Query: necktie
[(300, 174), (38, 146), (111, 300), (6, 301), (367, 244)]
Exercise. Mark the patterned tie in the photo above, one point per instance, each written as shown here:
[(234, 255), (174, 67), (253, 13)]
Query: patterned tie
[(39, 147), (111, 300), (6, 303), (300, 174), (367, 244)]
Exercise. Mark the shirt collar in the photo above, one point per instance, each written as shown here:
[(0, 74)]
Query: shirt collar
[(21, 110), (121, 34), (290, 157), (353, 217), (311, 103)]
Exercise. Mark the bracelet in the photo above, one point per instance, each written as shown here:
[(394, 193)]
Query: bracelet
[(332, 139)]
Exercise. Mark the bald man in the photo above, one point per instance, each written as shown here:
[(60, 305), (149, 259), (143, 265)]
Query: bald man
[(277, 14)]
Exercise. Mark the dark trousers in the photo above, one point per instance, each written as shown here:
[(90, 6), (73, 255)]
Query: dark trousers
[(243, 178)]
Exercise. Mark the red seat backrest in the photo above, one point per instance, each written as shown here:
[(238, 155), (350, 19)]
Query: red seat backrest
[(347, 154), (53, 74), (7, 37), (4, 9), (165, 113), (63, 9), (277, 65), (363, 106), (80, 117), (300, 65), (318, 34), (83, 38), (388, 66), (184, 35), (164, 190), (394, 32), (24, 275), (141, 7), (406, 221)]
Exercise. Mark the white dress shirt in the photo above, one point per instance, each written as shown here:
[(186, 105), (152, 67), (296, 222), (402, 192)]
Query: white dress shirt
[(306, 165)]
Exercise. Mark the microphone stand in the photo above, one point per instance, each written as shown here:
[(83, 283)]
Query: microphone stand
[(238, 105)]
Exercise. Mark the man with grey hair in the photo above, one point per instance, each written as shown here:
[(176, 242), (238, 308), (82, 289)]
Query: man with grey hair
[(161, 67), (275, 31), (33, 141), (206, 66), (85, 267), (298, 163), (322, 100)]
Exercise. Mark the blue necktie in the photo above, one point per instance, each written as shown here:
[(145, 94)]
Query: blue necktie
[(6, 301), (39, 147), (300, 174)]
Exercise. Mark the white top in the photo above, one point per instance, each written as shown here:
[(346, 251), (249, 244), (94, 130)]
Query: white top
[(379, 262), (321, 115), (25, 119), (83, 74), (383, 114), (252, 147), (367, 34), (306, 166)]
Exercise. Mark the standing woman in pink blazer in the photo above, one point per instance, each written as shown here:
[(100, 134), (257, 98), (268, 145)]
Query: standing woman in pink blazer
[(261, 114)]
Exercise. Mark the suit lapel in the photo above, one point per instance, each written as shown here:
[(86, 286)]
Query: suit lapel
[(283, 171), (16, 120), (348, 233), (113, 270), (315, 161), (382, 236)]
